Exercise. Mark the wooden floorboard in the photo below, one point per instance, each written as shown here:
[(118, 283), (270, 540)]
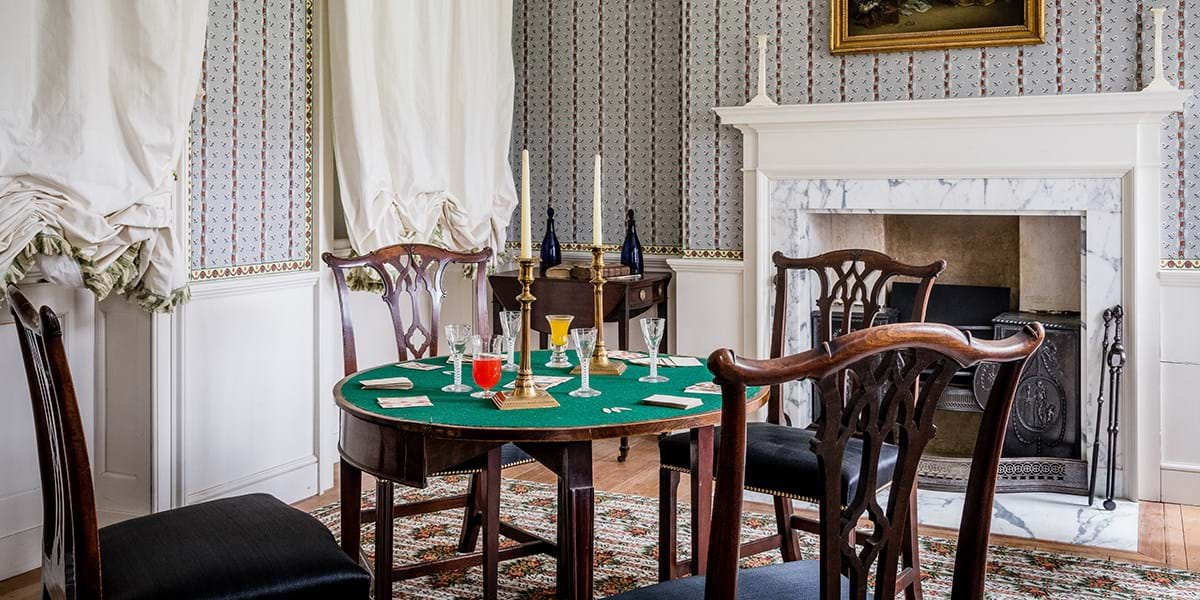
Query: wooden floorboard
[(1168, 534)]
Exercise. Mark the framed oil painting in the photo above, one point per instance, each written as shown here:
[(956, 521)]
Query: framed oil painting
[(885, 25)]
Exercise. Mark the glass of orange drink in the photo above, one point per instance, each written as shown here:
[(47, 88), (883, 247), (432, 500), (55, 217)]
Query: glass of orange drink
[(559, 326)]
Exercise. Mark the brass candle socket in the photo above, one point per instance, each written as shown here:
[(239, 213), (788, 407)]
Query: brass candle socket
[(525, 394), (600, 363)]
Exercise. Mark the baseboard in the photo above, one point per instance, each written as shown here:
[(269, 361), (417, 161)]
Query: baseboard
[(19, 552), (1180, 483)]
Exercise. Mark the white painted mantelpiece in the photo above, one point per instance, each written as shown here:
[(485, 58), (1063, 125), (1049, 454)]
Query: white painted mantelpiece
[(1085, 136)]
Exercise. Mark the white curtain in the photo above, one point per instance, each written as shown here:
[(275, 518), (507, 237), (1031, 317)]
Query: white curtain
[(422, 115), (95, 100)]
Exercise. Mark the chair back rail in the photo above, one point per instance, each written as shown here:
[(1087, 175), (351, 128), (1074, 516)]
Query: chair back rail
[(415, 272), (883, 404), (847, 278), (70, 532)]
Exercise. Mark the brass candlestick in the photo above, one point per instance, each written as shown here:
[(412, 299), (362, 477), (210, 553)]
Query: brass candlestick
[(525, 394), (600, 364)]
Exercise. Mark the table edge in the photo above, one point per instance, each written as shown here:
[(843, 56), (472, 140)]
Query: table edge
[(538, 434)]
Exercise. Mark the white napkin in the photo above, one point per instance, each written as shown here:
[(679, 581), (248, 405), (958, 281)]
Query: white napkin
[(387, 383), (409, 402), (680, 402)]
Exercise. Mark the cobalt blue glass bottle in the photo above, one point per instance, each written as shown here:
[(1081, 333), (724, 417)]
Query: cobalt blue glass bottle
[(551, 250), (631, 250)]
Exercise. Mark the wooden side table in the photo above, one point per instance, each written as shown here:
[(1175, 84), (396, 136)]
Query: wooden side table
[(624, 299)]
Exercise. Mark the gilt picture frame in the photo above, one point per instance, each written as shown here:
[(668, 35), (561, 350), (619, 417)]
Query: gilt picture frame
[(898, 25)]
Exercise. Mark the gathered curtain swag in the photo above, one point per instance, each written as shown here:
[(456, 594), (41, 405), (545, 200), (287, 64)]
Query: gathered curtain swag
[(94, 116), (422, 113)]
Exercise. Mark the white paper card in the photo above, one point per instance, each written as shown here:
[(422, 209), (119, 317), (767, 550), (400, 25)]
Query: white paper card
[(387, 383), (680, 402), (418, 366), (410, 402), (543, 381), (704, 387), (686, 361)]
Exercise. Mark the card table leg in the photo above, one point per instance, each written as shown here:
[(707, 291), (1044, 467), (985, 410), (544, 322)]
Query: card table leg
[(576, 521), (702, 487), (491, 525), (384, 507), (351, 509)]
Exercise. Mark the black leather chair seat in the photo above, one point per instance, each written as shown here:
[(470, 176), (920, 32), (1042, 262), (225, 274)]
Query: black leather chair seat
[(799, 580), (250, 546), (779, 460), (510, 455)]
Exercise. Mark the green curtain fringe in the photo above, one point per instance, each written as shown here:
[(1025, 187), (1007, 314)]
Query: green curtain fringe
[(120, 277)]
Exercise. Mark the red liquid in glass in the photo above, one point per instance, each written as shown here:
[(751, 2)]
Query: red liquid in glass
[(485, 370)]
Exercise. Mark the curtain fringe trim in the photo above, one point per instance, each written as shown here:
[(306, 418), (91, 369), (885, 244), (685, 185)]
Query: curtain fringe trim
[(120, 277)]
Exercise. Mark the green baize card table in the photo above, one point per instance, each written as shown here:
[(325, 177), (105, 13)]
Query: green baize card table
[(408, 445)]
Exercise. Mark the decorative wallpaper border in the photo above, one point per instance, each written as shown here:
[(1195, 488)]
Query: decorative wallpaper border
[(269, 267)]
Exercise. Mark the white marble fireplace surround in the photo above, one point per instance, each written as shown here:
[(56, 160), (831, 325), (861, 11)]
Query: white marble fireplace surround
[(797, 230), (1078, 146)]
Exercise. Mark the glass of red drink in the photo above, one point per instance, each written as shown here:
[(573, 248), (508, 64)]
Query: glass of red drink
[(486, 365)]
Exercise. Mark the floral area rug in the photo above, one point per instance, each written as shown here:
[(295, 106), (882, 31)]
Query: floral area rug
[(627, 546)]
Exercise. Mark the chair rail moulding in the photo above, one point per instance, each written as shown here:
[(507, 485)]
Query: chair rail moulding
[(1109, 135)]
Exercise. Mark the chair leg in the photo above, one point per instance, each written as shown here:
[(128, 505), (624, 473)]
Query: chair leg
[(789, 546), (384, 507), (668, 523), (472, 514), (351, 510), (910, 554), (491, 525)]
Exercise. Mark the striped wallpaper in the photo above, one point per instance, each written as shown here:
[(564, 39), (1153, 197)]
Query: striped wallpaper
[(585, 68), (250, 147)]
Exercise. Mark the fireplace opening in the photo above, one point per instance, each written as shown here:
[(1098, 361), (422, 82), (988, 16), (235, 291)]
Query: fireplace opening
[(1003, 271)]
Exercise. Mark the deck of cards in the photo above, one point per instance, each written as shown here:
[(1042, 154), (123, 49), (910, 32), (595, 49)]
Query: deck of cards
[(625, 354), (418, 366), (409, 402), (679, 402), (387, 383)]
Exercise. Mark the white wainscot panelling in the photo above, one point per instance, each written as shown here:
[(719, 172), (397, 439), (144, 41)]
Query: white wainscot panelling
[(1180, 319), (707, 305), (20, 486), (249, 389), (1180, 380), (1181, 451)]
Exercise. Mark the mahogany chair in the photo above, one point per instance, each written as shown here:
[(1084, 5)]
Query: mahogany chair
[(848, 279), (880, 403), (416, 273), (251, 546)]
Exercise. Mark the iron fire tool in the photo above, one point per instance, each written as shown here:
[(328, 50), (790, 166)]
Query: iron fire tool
[(1108, 321), (1116, 365)]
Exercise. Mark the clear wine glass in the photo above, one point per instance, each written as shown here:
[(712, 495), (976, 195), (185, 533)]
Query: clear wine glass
[(457, 335), (585, 343), (485, 364), (652, 331), (559, 325), (510, 324)]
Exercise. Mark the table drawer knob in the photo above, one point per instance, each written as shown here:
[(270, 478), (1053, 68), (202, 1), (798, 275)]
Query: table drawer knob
[(641, 294)]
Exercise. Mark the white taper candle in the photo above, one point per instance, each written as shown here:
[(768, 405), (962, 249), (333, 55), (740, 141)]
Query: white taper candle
[(597, 234), (525, 247)]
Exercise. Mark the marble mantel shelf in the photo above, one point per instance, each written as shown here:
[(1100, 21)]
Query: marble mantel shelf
[(1129, 106), (1062, 137)]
